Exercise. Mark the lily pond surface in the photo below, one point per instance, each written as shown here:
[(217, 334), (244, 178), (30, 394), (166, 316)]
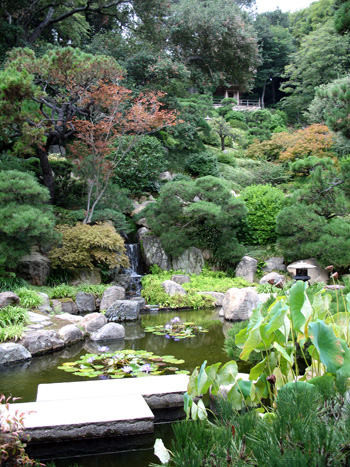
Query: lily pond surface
[(22, 380)]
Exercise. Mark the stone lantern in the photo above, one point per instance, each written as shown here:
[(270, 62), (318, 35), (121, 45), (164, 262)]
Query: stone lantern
[(301, 270)]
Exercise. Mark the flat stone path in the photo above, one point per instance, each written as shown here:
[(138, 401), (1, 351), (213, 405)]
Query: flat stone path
[(158, 391), (86, 418), (88, 409)]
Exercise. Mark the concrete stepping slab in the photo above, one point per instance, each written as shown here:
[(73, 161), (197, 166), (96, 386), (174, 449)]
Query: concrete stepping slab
[(158, 391), (86, 418)]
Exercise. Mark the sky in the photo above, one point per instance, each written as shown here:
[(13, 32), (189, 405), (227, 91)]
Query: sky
[(284, 5)]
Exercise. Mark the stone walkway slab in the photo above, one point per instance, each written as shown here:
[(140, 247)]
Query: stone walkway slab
[(158, 391), (86, 418)]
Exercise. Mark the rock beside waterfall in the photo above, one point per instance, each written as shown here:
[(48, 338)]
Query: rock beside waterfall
[(111, 295), (124, 310)]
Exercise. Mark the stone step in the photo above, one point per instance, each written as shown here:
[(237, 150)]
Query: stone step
[(159, 391), (57, 420)]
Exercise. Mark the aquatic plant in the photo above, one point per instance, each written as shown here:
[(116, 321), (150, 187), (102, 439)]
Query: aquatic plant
[(176, 329), (122, 364)]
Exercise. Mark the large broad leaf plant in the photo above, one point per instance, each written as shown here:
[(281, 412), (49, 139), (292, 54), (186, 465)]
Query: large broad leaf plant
[(294, 323)]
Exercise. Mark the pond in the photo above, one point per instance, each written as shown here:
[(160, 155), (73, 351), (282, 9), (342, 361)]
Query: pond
[(22, 380)]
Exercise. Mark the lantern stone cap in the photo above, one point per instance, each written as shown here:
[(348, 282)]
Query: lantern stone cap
[(301, 265)]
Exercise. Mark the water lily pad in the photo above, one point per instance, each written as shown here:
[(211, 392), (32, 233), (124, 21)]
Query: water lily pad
[(122, 364)]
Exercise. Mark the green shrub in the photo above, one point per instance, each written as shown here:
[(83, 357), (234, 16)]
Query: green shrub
[(63, 291), (263, 202), (12, 322), (25, 216), (140, 168), (202, 164), (85, 246), (201, 213), (227, 158), (238, 124), (306, 428), (11, 283), (28, 298)]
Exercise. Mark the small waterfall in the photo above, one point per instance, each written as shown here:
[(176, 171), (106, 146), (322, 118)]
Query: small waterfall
[(135, 271)]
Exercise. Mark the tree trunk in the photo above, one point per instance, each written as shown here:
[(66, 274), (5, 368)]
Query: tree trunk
[(222, 143), (263, 96), (49, 181), (273, 92)]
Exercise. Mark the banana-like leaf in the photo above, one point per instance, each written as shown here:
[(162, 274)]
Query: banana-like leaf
[(284, 353), (328, 346), (276, 318), (257, 370), (320, 304), (227, 374), (340, 323), (300, 306), (254, 337), (344, 370)]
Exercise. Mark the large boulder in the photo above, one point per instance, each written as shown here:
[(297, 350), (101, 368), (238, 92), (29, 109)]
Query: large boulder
[(34, 268), (141, 233), (83, 276), (85, 302), (8, 298), (172, 288), (10, 353), (238, 304), (153, 253), (109, 331), (45, 306), (39, 342), (191, 261), (180, 278), (218, 296), (110, 295), (273, 278), (93, 322), (71, 334), (123, 281), (275, 263), (124, 310), (65, 305), (317, 274), (246, 268)]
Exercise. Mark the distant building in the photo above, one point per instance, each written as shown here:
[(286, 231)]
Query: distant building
[(232, 91)]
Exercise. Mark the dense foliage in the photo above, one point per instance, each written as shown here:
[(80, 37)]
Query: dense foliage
[(86, 246)]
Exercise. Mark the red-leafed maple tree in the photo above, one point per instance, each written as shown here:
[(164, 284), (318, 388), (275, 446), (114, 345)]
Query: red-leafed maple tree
[(116, 120)]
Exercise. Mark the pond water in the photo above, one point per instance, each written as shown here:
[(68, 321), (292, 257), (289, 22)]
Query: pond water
[(22, 380)]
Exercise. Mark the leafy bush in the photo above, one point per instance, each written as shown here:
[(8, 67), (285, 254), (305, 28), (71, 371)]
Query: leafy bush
[(25, 216), (263, 202), (207, 281), (68, 291), (28, 298), (63, 291), (307, 427), (139, 169), (12, 322), (227, 158), (201, 213), (202, 164), (11, 283), (85, 246)]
